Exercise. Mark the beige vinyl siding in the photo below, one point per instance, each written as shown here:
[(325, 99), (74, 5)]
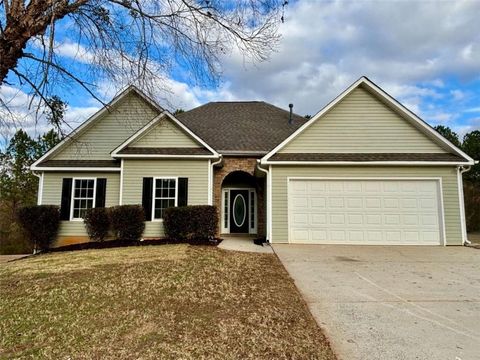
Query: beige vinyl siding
[(449, 185), (52, 195), (360, 123), (134, 170), (106, 133), (165, 134)]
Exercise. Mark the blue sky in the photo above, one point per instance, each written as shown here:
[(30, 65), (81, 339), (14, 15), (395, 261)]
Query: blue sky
[(424, 53)]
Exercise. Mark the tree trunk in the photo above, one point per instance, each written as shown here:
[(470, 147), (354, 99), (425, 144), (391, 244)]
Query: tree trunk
[(24, 23), (12, 44)]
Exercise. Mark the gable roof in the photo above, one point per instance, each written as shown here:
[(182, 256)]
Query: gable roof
[(389, 101), (249, 127), (123, 150), (39, 164)]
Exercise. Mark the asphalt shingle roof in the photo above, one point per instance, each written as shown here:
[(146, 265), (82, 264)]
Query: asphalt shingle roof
[(241, 126), (81, 163)]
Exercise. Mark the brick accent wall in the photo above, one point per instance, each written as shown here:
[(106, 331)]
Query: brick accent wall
[(248, 165)]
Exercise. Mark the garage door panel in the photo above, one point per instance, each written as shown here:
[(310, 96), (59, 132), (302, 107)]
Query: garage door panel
[(364, 212), (318, 202)]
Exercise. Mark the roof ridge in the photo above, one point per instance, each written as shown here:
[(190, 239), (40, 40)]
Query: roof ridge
[(235, 101), (287, 111)]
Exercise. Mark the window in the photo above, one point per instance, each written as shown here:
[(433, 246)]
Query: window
[(252, 210), (164, 196), (225, 210), (83, 197)]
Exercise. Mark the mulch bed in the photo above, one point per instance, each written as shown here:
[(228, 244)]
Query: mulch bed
[(124, 243)]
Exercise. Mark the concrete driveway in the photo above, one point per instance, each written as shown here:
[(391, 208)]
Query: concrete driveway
[(397, 302)]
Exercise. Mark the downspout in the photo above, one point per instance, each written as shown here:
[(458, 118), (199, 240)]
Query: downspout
[(212, 165), (40, 187), (461, 170), (267, 193)]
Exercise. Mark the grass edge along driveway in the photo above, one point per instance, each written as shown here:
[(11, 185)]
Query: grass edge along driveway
[(170, 301)]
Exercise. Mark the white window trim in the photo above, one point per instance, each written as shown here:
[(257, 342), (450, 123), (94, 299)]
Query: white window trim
[(253, 229), (154, 197), (73, 192), (226, 230)]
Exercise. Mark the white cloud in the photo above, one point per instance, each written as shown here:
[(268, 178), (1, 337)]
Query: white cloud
[(402, 46), (407, 47)]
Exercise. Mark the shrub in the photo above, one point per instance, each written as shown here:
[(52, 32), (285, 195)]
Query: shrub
[(41, 223), (191, 222), (472, 205), (97, 223), (127, 222)]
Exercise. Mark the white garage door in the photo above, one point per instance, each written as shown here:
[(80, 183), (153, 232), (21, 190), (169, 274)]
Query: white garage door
[(383, 212)]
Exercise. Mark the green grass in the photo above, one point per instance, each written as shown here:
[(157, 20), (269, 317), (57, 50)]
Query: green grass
[(168, 302)]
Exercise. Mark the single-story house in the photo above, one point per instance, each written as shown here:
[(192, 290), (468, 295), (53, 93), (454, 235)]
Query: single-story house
[(364, 170)]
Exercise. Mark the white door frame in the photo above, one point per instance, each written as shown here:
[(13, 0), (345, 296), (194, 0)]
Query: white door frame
[(438, 180), (225, 208)]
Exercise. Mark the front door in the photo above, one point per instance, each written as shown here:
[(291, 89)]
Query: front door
[(239, 211)]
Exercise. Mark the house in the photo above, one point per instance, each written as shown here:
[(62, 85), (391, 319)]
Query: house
[(364, 170)]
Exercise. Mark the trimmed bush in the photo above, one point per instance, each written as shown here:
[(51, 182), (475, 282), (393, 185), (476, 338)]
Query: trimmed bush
[(127, 222), (97, 223), (41, 223), (198, 223)]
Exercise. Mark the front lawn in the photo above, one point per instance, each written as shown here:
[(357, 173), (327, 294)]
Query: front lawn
[(154, 302)]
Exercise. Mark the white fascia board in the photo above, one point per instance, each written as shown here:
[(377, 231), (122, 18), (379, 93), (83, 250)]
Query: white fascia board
[(191, 133), (423, 126), (136, 135), (86, 169), (115, 152), (373, 163), (310, 122), (410, 115), (93, 118)]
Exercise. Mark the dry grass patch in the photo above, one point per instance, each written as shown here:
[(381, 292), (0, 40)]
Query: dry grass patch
[(154, 302), (474, 237)]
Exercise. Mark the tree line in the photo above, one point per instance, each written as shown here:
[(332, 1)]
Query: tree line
[(19, 186)]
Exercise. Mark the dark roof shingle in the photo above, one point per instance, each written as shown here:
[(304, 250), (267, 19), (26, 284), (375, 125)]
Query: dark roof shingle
[(241, 126), (80, 163), (365, 157)]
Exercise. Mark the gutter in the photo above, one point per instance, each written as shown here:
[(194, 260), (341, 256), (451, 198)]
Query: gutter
[(268, 198), (40, 186), (211, 177)]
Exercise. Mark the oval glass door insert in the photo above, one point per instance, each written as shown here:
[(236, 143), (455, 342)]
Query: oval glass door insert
[(239, 210)]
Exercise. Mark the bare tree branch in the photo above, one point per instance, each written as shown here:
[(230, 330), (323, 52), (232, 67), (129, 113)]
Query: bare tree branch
[(129, 41)]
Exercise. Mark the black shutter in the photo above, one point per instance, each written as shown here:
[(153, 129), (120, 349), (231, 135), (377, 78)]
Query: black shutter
[(182, 191), (101, 191), (66, 199), (147, 197)]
